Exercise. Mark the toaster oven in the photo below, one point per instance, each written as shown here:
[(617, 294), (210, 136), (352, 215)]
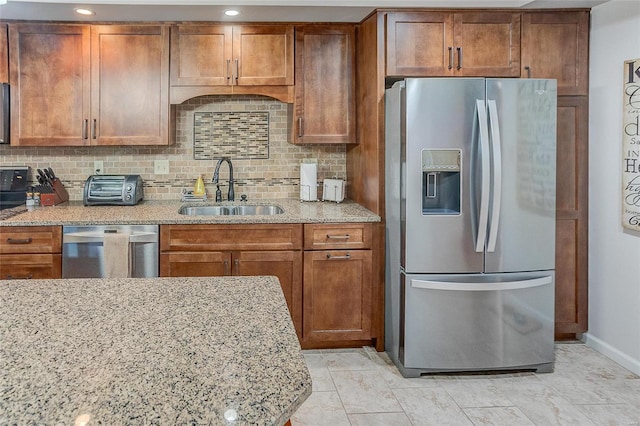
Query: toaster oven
[(114, 190)]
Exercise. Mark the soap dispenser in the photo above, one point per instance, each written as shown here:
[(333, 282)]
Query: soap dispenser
[(198, 189)]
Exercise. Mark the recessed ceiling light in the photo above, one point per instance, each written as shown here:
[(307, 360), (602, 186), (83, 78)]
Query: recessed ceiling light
[(83, 11), (231, 12)]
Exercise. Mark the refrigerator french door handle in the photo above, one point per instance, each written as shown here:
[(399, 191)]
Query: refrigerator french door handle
[(489, 286), (486, 176), (496, 151)]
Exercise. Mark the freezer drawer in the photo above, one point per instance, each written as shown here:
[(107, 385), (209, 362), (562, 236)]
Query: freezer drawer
[(478, 322)]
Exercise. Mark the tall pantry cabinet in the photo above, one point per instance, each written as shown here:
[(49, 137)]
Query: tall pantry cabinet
[(556, 45), (550, 45)]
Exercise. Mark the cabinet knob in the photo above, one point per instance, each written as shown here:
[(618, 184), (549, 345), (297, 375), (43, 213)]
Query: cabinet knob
[(528, 69)]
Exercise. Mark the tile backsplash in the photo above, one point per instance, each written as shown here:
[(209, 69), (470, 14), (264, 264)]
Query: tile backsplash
[(274, 177)]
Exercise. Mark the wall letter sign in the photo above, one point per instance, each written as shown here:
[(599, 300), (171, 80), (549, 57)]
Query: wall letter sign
[(631, 146)]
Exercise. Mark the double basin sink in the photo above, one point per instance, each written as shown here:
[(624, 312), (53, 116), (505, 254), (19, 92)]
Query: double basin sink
[(244, 210)]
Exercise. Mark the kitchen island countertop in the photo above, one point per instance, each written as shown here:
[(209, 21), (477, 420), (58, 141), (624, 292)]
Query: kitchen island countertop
[(166, 212), (149, 351)]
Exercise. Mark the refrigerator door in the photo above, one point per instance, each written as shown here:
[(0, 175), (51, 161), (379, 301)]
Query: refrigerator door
[(439, 122), (477, 322), (522, 128)]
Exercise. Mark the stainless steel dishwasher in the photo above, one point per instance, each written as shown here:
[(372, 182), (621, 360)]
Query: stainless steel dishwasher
[(83, 252)]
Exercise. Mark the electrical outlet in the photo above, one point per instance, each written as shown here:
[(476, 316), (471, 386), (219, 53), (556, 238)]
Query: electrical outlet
[(98, 167), (161, 167)]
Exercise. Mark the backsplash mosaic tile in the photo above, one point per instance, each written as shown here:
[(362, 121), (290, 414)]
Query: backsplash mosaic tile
[(269, 178), (238, 135)]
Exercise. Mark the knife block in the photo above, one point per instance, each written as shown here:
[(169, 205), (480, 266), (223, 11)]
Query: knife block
[(59, 195)]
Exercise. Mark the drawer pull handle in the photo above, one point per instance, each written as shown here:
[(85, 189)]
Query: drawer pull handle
[(338, 237), (19, 241), (11, 277), (346, 256)]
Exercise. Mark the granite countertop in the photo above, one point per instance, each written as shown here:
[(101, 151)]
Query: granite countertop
[(149, 351), (166, 212)]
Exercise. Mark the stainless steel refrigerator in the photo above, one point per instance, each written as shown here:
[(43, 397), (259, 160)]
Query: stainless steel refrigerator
[(470, 177)]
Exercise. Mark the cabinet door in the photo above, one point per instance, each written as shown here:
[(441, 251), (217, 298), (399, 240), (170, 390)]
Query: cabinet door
[(4, 54), (263, 55), (572, 216), (419, 44), (325, 86), (50, 84), (487, 44), (337, 295), (130, 85), (286, 265), (195, 264), (201, 55), (32, 266), (556, 45)]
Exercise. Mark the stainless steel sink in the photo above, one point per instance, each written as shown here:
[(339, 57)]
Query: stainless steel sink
[(257, 210), (206, 210), (231, 210)]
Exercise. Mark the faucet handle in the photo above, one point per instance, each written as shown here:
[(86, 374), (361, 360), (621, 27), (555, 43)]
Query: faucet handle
[(243, 197)]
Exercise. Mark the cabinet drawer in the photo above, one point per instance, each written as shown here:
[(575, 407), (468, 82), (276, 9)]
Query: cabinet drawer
[(31, 239), (230, 237), (337, 236), (27, 266)]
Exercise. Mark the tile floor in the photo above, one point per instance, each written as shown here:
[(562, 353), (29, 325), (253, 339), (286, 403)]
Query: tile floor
[(362, 387)]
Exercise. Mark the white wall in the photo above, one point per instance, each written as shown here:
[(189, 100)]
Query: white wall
[(614, 253)]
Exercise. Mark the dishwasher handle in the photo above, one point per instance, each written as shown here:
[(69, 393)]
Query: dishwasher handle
[(98, 237)]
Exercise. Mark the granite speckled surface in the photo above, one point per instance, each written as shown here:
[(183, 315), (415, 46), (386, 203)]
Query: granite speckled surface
[(166, 212), (148, 351)]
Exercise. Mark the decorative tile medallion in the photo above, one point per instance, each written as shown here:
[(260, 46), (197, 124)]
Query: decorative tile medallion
[(239, 135)]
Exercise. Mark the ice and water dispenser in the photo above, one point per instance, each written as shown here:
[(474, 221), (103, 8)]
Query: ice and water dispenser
[(441, 181)]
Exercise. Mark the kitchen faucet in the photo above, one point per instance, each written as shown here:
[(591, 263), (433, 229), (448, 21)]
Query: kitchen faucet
[(216, 176)]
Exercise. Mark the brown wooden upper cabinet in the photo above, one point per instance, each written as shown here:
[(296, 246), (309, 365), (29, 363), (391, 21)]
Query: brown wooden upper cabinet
[(4, 55), (556, 45), (89, 85), (325, 109), (223, 55), (422, 44)]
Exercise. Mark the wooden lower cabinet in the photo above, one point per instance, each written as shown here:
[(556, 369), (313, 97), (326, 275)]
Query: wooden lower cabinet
[(337, 296), (333, 288), (341, 293), (286, 265), (30, 252), (241, 250)]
